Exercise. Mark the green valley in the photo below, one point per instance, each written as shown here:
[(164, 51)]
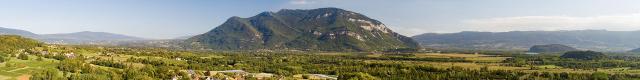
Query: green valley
[(55, 62)]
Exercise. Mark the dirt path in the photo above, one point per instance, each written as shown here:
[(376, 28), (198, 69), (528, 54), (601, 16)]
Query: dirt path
[(24, 77), (18, 69)]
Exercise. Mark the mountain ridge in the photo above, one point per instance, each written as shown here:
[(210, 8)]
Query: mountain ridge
[(551, 48), (330, 29), (9, 31), (92, 36), (600, 40), (70, 38)]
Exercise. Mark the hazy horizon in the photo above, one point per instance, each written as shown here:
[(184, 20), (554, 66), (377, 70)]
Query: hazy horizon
[(165, 19)]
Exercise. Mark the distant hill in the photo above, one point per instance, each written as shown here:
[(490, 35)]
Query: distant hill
[(327, 29), (599, 40), (584, 55), (551, 48), (635, 50), (88, 36), (71, 38), (8, 31), (183, 37)]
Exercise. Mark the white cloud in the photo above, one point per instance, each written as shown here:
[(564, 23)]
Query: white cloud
[(526, 23)]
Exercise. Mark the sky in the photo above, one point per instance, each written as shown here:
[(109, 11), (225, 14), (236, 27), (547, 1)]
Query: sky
[(165, 19)]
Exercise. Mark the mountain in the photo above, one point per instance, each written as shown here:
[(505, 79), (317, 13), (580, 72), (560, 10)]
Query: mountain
[(600, 40), (551, 48), (92, 36), (326, 29), (85, 37), (8, 31), (88, 36), (183, 37), (635, 50)]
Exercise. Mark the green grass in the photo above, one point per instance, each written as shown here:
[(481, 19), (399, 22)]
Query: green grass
[(23, 67), (548, 67), (494, 63), (487, 59)]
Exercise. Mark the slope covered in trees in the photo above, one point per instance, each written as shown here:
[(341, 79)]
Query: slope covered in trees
[(584, 55), (326, 29), (551, 48), (14, 42)]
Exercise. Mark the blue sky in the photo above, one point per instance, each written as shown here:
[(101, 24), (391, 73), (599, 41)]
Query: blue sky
[(162, 19)]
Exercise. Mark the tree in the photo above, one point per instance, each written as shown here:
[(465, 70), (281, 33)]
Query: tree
[(23, 56), (133, 74), (40, 59), (584, 55), (357, 76), (47, 74), (88, 77), (3, 59), (185, 75), (599, 76), (70, 65)]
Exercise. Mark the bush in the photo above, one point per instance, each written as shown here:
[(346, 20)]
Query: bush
[(47, 74), (23, 57), (358, 76), (3, 59), (599, 76)]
